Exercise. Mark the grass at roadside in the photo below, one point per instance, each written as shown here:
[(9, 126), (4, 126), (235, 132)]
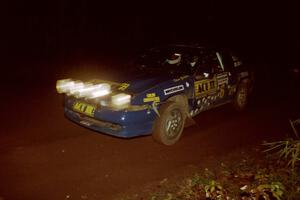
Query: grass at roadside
[(249, 174), (266, 172)]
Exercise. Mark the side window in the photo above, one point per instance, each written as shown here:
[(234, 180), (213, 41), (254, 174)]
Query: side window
[(227, 61), (193, 63), (211, 63)]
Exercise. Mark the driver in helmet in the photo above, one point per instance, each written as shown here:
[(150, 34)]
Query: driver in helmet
[(174, 59)]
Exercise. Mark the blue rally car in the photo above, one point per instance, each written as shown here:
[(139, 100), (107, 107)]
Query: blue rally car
[(166, 88)]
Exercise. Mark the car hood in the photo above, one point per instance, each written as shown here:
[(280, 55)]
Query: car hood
[(138, 82)]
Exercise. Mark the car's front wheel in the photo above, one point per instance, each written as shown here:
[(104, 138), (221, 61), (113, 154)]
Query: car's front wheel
[(169, 125)]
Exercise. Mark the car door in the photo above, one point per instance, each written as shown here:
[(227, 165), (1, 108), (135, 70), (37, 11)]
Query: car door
[(231, 79), (210, 82)]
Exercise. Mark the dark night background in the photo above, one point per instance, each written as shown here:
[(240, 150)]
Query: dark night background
[(45, 156), (41, 40)]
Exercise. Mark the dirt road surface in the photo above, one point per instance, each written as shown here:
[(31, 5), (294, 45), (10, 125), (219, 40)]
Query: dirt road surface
[(45, 156)]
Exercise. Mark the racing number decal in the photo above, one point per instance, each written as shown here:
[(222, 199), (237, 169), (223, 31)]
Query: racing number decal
[(222, 80), (222, 91)]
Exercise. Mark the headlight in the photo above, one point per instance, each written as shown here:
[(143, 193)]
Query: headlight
[(99, 90), (120, 100), (68, 86), (80, 89), (63, 86), (85, 91), (77, 86)]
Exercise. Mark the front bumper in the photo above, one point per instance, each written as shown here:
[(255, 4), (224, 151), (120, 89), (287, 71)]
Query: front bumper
[(123, 123)]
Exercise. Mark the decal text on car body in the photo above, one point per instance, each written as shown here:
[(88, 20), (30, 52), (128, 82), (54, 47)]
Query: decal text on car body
[(221, 92), (180, 78), (84, 108), (173, 89), (222, 79), (205, 87), (123, 86), (151, 97)]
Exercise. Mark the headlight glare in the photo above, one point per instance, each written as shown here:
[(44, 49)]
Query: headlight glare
[(100, 90), (80, 89), (63, 86), (77, 86), (121, 100), (85, 91)]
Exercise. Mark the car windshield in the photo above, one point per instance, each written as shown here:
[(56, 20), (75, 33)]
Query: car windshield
[(170, 59)]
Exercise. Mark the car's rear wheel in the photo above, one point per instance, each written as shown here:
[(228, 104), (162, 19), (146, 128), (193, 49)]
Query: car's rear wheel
[(169, 125), (241, 97)]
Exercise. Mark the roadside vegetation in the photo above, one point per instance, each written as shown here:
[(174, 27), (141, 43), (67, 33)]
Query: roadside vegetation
[(270, 171)]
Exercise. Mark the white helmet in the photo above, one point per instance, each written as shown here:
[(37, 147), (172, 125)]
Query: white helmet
[(174, 59)]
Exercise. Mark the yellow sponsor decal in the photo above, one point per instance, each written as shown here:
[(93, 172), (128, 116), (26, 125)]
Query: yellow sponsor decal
[(84, 108), (151, 97), (123, 86), (204, 87)]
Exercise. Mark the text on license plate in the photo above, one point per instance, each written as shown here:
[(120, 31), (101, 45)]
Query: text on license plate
[(84, 108)]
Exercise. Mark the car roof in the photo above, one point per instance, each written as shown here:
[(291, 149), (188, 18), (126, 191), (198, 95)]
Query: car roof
[(193, 46)]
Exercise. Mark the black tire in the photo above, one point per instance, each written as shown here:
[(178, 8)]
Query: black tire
[(169, 125), (241, 97)]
